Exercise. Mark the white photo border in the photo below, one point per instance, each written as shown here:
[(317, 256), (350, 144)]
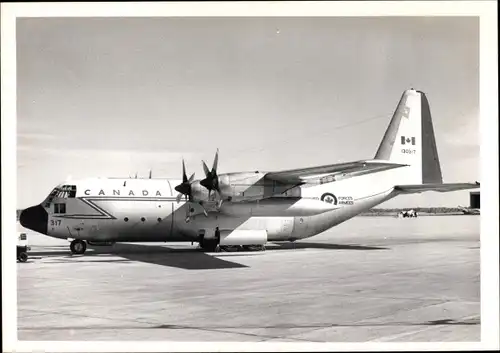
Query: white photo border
[(486, 10)]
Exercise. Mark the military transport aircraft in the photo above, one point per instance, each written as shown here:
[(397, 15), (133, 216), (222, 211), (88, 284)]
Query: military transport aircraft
[(247, 208)]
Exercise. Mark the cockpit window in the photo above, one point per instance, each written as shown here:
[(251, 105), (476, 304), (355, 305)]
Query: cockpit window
[(63, 192), (72, 191), (66, 191), (50, 197)]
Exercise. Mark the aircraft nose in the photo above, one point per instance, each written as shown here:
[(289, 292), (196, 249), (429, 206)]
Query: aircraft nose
[(35, 218)]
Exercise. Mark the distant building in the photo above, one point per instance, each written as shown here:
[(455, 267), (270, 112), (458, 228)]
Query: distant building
[(475, 199)]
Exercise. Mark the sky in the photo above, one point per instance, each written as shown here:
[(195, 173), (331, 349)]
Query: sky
[(116, 96)]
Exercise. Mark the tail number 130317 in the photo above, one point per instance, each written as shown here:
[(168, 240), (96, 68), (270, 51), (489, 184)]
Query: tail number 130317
[(408, 151)]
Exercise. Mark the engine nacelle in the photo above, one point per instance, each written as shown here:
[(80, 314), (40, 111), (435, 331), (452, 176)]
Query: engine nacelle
[(244, 186), (243, 237)]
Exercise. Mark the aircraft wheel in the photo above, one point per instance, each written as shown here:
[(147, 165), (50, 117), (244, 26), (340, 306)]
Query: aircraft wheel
[(209, 246), (23, 257), (78, 247)]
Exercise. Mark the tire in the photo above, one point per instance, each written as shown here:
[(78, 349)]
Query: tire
[(78, 247), (23, 257), (209, 246)]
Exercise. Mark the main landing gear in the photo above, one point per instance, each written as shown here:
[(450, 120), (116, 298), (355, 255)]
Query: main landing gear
[(230, 248), (210, 245), (78, 247), (253, 247), (213, 246)]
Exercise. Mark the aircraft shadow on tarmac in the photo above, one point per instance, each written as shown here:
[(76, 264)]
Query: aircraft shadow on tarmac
[(157, 255), (186, 258)]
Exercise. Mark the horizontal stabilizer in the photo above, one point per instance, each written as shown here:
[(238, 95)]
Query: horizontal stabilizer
[(414, 189)]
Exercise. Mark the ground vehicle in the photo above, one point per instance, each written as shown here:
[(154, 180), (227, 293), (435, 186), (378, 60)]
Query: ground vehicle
[(22, 248), (405, 214)]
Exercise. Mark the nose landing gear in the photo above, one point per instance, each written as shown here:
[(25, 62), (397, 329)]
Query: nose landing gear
[(78, 247)]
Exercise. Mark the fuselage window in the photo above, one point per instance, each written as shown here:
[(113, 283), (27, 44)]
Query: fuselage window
[(59, 208)]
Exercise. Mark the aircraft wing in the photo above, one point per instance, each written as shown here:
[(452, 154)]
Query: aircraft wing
[(340, 170), (414, 189)]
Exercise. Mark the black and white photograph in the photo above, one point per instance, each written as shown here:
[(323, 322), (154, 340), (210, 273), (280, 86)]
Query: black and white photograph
[(226, 179)]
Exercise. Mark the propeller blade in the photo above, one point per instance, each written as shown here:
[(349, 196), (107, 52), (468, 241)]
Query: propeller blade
[(191, 178), (178, 198), (216, 161), (184, 176), (205, 169), (204, 210)]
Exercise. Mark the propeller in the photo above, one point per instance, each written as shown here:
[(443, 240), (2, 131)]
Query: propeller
[(211, 181), (184, 188)]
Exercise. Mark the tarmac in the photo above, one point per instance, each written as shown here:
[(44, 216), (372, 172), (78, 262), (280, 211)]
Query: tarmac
[(370, 279)]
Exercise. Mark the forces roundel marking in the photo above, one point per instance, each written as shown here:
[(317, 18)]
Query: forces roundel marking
[(329, 198)]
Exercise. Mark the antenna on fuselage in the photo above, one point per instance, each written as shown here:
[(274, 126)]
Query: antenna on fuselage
[(150, 173)]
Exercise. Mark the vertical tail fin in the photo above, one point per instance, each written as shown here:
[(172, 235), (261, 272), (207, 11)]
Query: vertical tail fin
[(410, 139)]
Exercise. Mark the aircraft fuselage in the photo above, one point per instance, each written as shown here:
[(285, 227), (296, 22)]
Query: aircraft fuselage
[(147, 210)]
